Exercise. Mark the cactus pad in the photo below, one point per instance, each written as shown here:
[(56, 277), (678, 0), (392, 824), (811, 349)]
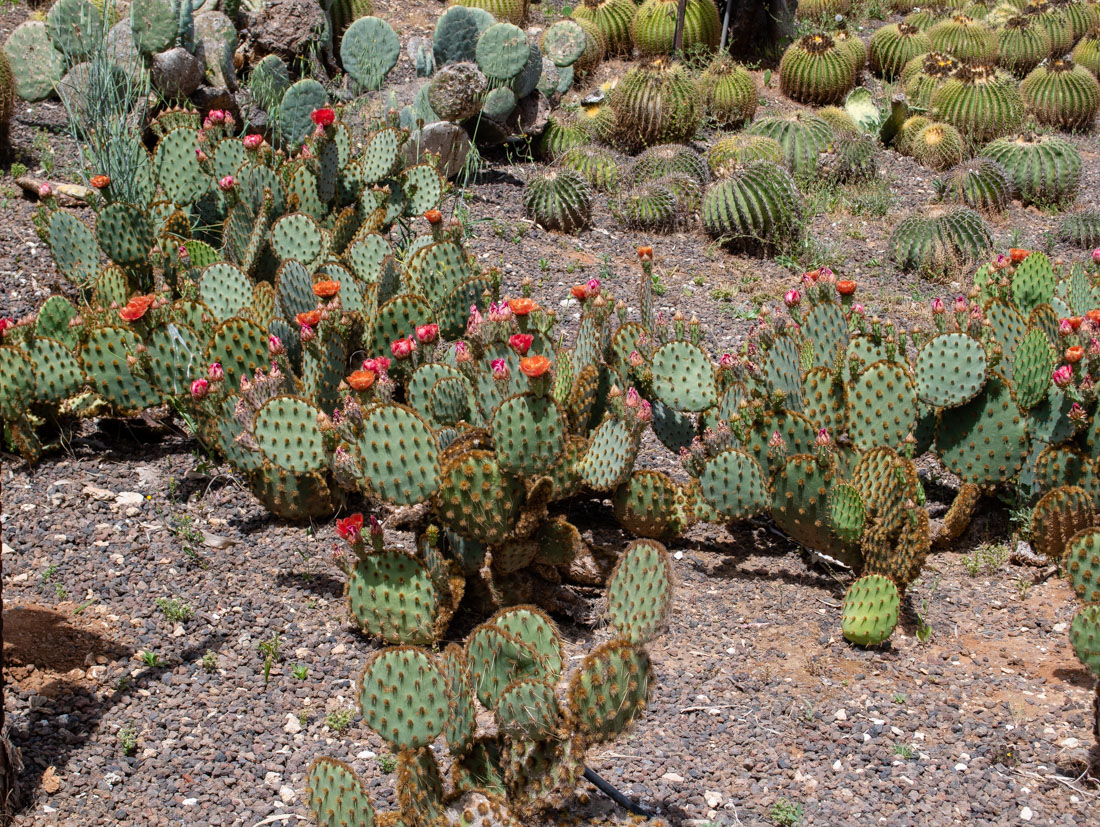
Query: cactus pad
[(610, 689), (1081, 561), (639, 591), (870, 610), (336, 796), (404, 697)]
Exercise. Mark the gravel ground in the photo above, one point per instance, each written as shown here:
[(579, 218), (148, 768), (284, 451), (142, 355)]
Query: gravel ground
[(760, 707)]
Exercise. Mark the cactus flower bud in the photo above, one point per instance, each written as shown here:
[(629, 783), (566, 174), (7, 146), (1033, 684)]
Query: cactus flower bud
[(644, 412), (960, 304), (938, 307), (1077, 414), (823, 438), (427, 333), (275, 345), (200, 388), (499, 368), (403, 348), (645, 253), (633, 398), (1065, 328), (635, 359), (45, 191), (1096, 256), (226, 183), (462, 353), (215, 372), (306, 333), (253, 141), (521, 342), (1063, 376), (792, 297), (726, 361)]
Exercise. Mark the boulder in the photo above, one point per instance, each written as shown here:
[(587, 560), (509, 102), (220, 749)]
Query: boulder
[(447, 140), (286, 28), (218, 38), (176, 73)]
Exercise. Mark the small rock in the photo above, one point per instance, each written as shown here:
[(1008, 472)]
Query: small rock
[(1026, 814), (446, 139), (287, 794), (273, 780), (713, 799), (292, 725), (190, 802), (841, 715), (97, 493), (673, 777), (50, 782), (125, 499)]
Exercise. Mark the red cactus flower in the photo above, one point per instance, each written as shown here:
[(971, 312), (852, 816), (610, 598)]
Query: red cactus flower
[(350, 527), (845, 287), (433, 216), (427, 333), (579, 291), (311, 318), (326, 289), (1075, 322), (100, 182), (1074, 354), (360, 380), (534, 366), (1017, 254), (522, 306), (645, 253), (323, 117), (1093, 316), (521, 343), (137, 307)]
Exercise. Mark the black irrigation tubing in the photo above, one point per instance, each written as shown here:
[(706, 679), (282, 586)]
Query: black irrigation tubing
[(619, 798)]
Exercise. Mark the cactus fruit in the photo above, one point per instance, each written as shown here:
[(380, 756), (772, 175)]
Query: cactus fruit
[(938, 146), (612, 18), (656, 103), (924, 74), (893, 46), (982, 184), (870, 610), (669, 159), (1087, 52), (940, 240), (654, 25), (1024, 44), (559, 199), (598, 166), (803, 136), (1081, 230), (1081, 562), (814, 70), (649, 207), (756, 208), (963, 37), (1061, 94), (729, 92), (735, 150), (510, 11), (979, 102), (1045, 170)]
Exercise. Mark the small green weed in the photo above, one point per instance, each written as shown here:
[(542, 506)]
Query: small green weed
[(785, 813), (300, 672), (387, 763), (339, 720), (127, 740), (175, 610), (210, 661), (904, 751)]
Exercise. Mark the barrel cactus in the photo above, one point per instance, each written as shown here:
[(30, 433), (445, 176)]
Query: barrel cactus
[(1045, 170), (822, 9), (649, 207), (562, 134), (654, 26), (559, 200), (839, 119), (734, 151), (982, 184), (893, 46), (507, 11), (852, 160), (599, 166), (964, 38), (852, 46), (813, 70), (729, 92), (909, 130), (657, 103), (1087, 52), (1081, 230), (1057, 25), (669, 159), (1083, 16), (980, 102), (1062, 94), (938, 146), (940, 242), (757, 208), (1024, 44), (803, 136), (612, 18), (924, 74), (923, 18)]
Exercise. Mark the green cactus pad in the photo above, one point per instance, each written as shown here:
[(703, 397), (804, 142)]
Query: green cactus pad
[(225, 289), (336, 796), (534, 628), (986, 440), (609, 690), (1032, 363), (1058, 516), (124, 233), (103, 357), (683, 377), (734, 485), (610, 455), (462, 721), (175, 354), (847, 513), (886, 482), (390, 594), (289, 435), (477, 499), (1033, 282), (870, 610), (564, 43), (298, 236), (177, 168), (74, 26), (950, 370), (419, 786), (396, 319), (1081, 562), (645, 504), (17, 382), (1084, 635), (404, 697), (528, 434), (369, 50), (423, 189), (299, 102), (496, 659), (528, 708), (639, 592), (400, 459), (240, 346), (882, 407), (74, 248), (502, 51), (826, 400), (37, 67), (57, 374)]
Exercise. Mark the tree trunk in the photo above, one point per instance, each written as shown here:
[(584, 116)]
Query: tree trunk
[(9, 755), (757, 27)]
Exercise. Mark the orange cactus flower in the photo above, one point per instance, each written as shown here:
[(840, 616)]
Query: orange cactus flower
[(1075, 322), (534, 366), (522, 306), (137, 307), (326, 289), (579, 291), (100, 182), (1017, 254), (433, 216), (645, 253), (846, 287), (311, 318), (1074, 354), (360, 380)]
